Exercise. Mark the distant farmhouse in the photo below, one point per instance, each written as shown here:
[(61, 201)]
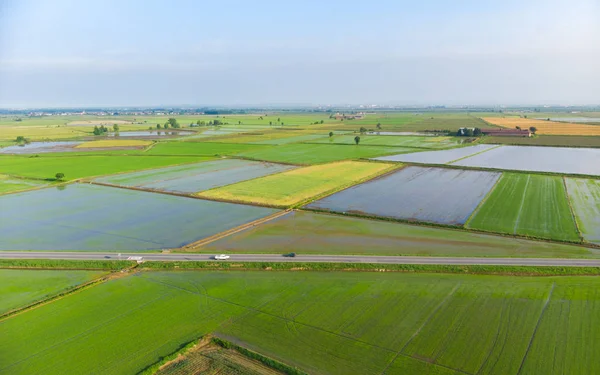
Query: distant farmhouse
[(343, 116), (507, 132)]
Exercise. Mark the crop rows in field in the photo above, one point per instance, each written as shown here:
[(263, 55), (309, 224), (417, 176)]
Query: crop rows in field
[(292, 187), (528, 205), (335, 323), (437, 195), (91, 218), (545, 127), (190, 178)]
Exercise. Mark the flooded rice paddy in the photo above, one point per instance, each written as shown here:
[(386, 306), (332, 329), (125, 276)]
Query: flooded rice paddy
[(197, 177), (437, 195), (40, 147), (437, 157), (90, 218), (584, 161)]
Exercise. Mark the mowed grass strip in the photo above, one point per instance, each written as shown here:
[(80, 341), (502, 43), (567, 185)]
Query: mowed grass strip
[(292, 187), (114, 143), (528, 205), (78, 167), (299, 153), (585, 200)]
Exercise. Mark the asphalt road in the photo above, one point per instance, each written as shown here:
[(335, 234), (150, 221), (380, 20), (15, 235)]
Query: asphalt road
[(306, 258)]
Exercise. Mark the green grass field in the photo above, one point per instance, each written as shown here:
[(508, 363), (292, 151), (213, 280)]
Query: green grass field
[(23, 287), (529, 205), (200, 148), (322, 323), (306, 232), (77, 166), (316, 153), (298, 185), (9, 184), (389, 140)]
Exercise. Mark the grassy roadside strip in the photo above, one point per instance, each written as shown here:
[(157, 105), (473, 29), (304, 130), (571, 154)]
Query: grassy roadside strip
[(64, 293), (375, 267), (63, 264)]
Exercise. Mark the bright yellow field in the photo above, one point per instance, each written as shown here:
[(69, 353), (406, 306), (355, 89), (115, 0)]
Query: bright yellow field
[(38, 133), (114, 143), (545, 127), (298, 185)]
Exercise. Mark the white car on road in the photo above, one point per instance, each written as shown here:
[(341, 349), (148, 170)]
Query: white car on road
[(222, 257)]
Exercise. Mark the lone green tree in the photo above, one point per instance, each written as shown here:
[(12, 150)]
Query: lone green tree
[(172, 122), (533, 129), (20, 139), (379, 125), (330, 134), (116, 127), (363, 129), (59, 176), (357, 140)]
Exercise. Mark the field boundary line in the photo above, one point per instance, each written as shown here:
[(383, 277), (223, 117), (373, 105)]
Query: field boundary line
[(482, 202), (537, 325), (229, 232), (65, 293), (416, 333), (151, 145), (475, 154), (564, 179), (521, 205)]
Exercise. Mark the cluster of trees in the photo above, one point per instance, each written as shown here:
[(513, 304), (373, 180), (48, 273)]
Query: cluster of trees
[(101, 130), (468, 132), (22, 140)]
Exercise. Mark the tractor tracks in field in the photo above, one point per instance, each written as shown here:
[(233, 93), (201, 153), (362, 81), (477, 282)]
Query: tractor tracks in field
[(537, 326)]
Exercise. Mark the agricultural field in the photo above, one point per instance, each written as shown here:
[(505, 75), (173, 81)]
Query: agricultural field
[(321, 323), (528, 205), (109, 143), (437, 195), (390, 140), (190, 178), (298, 185), (20, 288), (582, 161), (79, 166), (546, 140), (10, 184), (273, 137), (585, 200), (200, 148), (306, 232), (305, 154), (93, 218), (40, 147), (545, 127), (213, 359), (440, 156)]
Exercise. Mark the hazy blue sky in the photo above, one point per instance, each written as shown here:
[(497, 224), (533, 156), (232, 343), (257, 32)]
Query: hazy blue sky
[(105, 52)]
